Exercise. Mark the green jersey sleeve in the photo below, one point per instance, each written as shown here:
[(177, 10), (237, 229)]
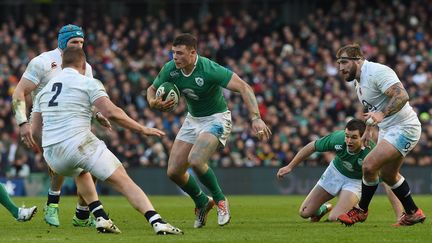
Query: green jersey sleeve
[(163, 75), (329, 142), (218, 74)]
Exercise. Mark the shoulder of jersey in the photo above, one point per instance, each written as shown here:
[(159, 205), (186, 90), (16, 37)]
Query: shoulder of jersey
[(48, 59)]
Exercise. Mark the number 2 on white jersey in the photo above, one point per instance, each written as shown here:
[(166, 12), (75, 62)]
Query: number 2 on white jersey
[(57, 87)]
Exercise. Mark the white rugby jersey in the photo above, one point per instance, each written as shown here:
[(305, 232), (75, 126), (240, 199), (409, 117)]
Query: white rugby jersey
[(375, 79), (65, 103), (44, 67)]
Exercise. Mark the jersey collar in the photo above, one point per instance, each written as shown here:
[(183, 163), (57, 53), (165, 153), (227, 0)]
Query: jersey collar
[(363, 69), (193, 69), (69, 69)]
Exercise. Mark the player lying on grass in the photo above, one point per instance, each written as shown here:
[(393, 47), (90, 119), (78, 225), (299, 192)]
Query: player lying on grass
[(342, 177), (70, 148)]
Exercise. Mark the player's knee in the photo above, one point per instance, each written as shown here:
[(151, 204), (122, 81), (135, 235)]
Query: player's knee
[(304, 212), (195, 161), (369, 169), (172, 173)]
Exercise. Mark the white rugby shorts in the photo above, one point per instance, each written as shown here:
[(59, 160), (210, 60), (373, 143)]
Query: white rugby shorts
[(403, 138), (218, 124), (83, 152), (334, 182)]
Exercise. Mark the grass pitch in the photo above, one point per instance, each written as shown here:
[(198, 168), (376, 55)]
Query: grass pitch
[(254, 219)]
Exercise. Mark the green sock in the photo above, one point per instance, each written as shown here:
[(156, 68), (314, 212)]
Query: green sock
[(6, 201), (195, 192), (210, 181), (321, 210)]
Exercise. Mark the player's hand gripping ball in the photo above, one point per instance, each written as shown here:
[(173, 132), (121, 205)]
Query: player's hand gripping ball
[(169, 91)]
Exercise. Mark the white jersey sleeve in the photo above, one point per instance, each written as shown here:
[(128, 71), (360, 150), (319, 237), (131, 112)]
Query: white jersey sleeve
[(375, 80), (385, 77), (96, 90), (35, 70)]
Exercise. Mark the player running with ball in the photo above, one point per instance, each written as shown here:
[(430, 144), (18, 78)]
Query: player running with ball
[(207, 124)]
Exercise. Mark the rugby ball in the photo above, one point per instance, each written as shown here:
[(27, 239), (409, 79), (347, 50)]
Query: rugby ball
[(169, 91)]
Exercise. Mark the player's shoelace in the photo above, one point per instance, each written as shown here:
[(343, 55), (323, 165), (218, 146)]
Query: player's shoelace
[(354, 214), (222, 208)]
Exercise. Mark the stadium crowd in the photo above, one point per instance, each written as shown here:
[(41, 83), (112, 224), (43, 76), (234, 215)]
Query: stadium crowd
[(292, 69)]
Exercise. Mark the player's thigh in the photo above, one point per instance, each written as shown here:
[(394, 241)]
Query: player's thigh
[(331, 180), (383, 153), (178, 159), (103, 164), (347, 200), (119, 178), (316, 197), (203, 149), (61, 159), (403, 138)]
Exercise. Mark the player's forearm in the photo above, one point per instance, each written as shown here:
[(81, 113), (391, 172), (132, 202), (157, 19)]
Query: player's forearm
[(122, 119), (399, 97), (151, 94), (303, 154), (19, 106), (250, 102)]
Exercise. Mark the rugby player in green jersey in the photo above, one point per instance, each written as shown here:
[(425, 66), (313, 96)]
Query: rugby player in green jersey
[(342, 177), (207, 124)]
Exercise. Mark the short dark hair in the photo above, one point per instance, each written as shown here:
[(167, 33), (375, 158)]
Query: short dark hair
[(73, 56), (353, 51), (356, 124), (186, 39)]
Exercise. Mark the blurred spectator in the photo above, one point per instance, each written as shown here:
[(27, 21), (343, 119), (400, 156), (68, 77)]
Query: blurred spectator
[(291, 68), (20, 168)]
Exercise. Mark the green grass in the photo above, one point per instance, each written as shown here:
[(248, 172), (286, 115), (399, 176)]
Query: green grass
[(254, 219)]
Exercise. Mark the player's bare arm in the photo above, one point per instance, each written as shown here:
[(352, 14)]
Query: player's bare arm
[(303, 154), (19, 106), (157, 102), (116, 114), (399, 97), (102, 120), (258, 125), (37, 122)]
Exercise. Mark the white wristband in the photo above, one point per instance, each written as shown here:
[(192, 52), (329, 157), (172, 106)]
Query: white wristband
[(19, 109), (370, 122)]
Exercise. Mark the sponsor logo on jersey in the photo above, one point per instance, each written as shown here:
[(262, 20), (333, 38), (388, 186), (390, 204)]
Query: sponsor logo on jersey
[(338, 147), (368, 106), (199, 81), (53, 65), (174, 73), (348, 166)]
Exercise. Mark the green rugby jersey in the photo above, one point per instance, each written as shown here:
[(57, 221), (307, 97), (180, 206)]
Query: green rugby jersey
[(350, 165), (202, 88)]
